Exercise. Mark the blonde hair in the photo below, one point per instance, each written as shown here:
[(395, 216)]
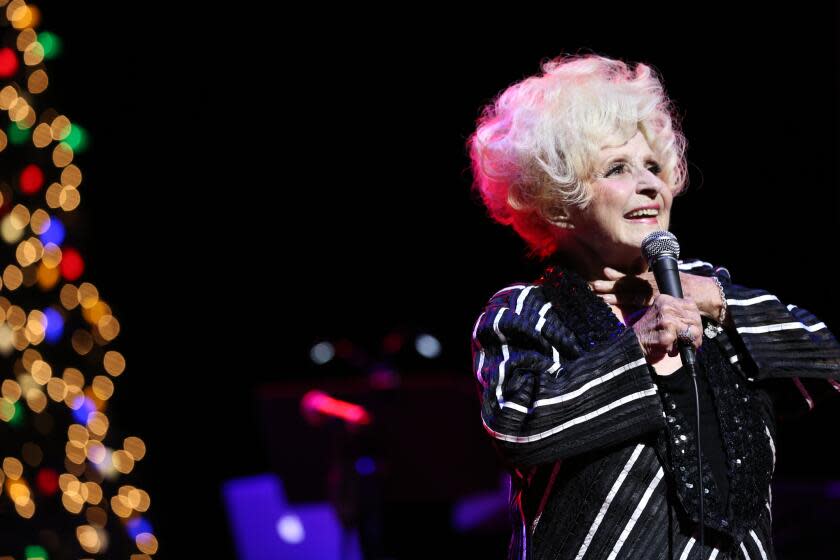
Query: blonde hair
[(535, 146)]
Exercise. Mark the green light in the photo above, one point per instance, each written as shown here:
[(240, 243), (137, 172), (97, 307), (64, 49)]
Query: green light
[(35, 552), (17, 417), (51, 44), (78, 138), (17, 136)]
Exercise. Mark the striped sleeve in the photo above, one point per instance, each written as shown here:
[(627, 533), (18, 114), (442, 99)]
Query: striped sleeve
[(781, 340), (540, 399), (784, 346)]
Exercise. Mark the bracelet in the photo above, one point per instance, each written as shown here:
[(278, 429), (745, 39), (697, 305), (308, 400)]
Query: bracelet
[(722, 298)]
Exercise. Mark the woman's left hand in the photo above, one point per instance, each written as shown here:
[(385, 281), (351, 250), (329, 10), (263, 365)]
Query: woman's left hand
[(640, 290)]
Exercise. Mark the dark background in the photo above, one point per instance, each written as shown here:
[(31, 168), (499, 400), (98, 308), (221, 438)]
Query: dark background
[(255, 185)]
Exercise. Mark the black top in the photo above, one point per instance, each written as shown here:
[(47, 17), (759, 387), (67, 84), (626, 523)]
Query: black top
[(681, 389)]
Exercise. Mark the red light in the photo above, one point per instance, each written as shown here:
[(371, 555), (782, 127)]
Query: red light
[(8, 63), (31, 179), (47, 481), (72, 264)]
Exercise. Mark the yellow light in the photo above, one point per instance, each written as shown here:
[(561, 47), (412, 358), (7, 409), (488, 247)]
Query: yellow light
[(88, 295), (60, 127), (8, 95), (7, 410), (42, 136), (74, 377), (36, 400), (71, 176), (53, 195), (64, 480), (11, 390), (94, 493), (12, 277), (114, 363), (122, 461), (48, 276), (62, 155), (37, 82), (72, 502), (135, 447), (57, 389), (88, 538), (103, 388), (34, 54), (40, 221), (20, 216), (41, 370), (69, 198), (98, 424), (74, 398), (69, 296), (19, 109), (96, 452), (9, 231), (119, 505), (13, 468), (25, 38), (15, 316), (74, 452), (144, 501), (108, 327), (146, 542), (77, 434), (26, 510), (4, 141)]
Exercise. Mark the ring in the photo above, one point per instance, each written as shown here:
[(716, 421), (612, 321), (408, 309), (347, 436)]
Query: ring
[(685, 335)]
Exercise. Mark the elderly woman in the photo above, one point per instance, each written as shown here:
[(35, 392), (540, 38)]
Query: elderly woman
[(581, 383)]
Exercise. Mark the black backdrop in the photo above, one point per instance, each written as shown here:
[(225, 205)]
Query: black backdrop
[(304, 176)]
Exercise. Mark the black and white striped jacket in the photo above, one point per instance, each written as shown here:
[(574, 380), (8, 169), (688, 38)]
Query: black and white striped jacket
[(601, 463)]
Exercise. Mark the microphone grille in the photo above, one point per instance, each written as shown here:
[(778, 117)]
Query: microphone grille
[(660, 243)]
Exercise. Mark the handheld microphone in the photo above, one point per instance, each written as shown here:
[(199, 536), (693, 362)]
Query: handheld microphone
[(661, 251)]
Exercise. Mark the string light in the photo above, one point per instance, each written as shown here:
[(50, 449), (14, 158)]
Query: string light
[(57, 327)]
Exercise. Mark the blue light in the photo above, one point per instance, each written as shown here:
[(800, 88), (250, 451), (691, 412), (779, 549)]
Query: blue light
[(55, 325), (137, 525), (55, 233), (365, 466), (82, 413)]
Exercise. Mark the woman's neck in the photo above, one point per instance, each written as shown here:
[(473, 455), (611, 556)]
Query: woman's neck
[(591, 264)]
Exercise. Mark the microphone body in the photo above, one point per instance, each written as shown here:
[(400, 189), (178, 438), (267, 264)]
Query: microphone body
[(661, 251)]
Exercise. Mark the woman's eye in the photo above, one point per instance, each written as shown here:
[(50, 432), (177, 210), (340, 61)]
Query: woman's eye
[(614, 168), (655, 169)]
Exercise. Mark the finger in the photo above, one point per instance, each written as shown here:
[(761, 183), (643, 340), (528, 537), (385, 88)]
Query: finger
[(602, 286), (612, 273), (609, 298)]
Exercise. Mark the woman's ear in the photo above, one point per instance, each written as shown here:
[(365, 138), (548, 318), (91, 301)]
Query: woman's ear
[(560, 218)]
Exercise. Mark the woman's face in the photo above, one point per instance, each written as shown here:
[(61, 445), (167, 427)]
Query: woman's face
[(627, 177)]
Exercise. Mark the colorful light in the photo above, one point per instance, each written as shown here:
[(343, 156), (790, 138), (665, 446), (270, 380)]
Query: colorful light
[(72, 264), (47, 481), (137, 525), (56, 232), (31, 179), (9, 63), (51, 44), (55, 325), (78, 138), (17, 136), (85, 407)]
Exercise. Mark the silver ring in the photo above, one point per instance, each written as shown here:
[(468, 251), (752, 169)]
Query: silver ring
[(686, 335)]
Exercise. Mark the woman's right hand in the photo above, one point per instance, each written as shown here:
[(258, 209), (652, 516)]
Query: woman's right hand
[(657, 329)]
